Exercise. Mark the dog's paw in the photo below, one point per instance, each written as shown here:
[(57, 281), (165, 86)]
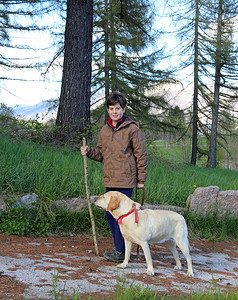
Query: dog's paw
[(179, 267), (150, 272), (190, 274), (122, 266)]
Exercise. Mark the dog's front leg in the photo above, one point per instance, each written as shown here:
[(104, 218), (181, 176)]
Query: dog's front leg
[(127, 254), (146, 249)]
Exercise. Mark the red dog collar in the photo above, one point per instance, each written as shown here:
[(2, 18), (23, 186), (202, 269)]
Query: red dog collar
[(134, 209)]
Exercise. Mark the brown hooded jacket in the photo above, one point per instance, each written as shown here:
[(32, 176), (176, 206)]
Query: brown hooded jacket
[(123, 154)]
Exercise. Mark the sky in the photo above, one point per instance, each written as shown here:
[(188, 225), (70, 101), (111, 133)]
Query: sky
[(34, 87)]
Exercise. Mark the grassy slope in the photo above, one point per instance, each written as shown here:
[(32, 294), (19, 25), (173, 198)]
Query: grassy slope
[(59, 173)]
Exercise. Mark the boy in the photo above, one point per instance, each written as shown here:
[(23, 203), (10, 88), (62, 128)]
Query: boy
[(122, 151)]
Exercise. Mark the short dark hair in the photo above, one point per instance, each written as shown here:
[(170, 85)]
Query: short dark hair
[(116, 97)]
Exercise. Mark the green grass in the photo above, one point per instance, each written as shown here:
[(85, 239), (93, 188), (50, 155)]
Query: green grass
[(58, 173), (211, 227), (136, 292), (180, 151), (49, 172), (171, 184), (54, 173)]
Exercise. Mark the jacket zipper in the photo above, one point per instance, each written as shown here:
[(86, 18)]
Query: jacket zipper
[(112, 134)]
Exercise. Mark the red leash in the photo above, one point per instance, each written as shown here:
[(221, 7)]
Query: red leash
[(143, 195)]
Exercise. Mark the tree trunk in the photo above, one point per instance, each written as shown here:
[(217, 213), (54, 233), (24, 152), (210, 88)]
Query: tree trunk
[(195, 95), (73, 115), (107, 57), (211, 163), (113, 59)]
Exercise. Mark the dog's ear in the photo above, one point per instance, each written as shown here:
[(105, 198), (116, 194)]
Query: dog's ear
[(113, 203)]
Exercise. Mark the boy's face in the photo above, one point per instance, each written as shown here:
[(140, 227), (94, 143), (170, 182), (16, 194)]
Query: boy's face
[(115, 112)]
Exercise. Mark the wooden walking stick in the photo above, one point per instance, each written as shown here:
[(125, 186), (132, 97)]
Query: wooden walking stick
[(88, 200)]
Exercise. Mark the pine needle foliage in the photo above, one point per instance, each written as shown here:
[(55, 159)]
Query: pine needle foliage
[(125, 60)]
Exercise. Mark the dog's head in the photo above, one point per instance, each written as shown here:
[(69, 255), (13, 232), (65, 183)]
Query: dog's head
[(114, 202)]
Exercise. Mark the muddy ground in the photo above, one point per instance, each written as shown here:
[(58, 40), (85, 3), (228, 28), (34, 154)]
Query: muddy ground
[(28, 267)]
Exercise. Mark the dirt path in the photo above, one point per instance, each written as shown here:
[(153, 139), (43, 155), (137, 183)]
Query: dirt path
[(28, 267)]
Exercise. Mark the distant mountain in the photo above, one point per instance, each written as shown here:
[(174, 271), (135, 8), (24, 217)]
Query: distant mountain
[(38, 112)]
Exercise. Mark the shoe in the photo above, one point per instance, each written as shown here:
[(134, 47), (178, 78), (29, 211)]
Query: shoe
[(114, 256)]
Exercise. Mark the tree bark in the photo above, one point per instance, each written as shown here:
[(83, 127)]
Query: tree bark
[(113, 60), (195, 95), (107, 58), (211, 163), (73, 115)]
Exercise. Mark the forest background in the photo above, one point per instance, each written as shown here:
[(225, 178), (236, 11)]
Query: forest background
[(146, 50)]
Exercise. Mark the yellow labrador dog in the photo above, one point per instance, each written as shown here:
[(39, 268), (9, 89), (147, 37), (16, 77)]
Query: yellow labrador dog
[(147, 226)]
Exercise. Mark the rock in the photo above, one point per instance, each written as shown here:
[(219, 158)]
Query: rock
[(79, 204), (3, 205), (164, 207), (209, 199), (203, 199), (26, 200), (228, 202), (73, 204)]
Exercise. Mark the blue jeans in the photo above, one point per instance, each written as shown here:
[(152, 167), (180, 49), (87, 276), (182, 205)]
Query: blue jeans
[(115, 229)]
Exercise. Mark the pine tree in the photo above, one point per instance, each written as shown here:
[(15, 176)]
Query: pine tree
[(201, 46), (122, 62), (196, 87), (226, 67)]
